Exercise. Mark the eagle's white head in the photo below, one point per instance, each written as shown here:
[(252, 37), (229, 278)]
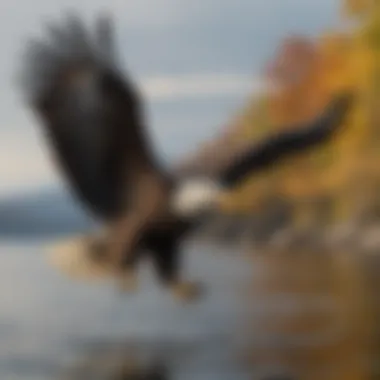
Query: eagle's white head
[(195, 196)]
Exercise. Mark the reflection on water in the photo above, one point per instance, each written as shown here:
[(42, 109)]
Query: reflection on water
[(314, 319), (278, 316), (117, 362)]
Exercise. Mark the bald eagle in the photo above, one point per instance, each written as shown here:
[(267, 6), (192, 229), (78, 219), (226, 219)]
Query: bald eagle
[(92, 117)]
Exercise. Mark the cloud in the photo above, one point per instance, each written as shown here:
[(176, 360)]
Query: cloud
[(199, 85), (180, 51), (24, 162), (25, 159)]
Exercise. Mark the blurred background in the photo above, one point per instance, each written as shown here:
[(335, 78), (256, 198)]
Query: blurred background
[(290, 260)]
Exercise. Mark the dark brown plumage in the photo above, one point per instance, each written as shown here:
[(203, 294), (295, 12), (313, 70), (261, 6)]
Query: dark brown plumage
[(93, 118)]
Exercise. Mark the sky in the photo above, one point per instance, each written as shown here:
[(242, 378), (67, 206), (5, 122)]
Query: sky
[(194, 60)]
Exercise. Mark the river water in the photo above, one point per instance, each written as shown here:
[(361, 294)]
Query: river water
[(257, 320)]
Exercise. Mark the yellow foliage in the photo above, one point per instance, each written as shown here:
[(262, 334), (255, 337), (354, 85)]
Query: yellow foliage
[(338, 61), (357, 7)]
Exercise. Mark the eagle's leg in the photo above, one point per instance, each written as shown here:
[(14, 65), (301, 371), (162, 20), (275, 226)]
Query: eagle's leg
[(166, 259), (97, 253), (148, 205), (124, 251)]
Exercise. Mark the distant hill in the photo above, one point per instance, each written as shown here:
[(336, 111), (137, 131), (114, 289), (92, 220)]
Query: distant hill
[(44, 214)]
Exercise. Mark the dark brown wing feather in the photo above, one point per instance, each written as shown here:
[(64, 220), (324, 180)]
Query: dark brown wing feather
[(243, 161), (90, 113), (297, 139)]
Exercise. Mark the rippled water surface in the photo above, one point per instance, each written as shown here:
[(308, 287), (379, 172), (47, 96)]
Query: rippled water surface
[(262, 316)]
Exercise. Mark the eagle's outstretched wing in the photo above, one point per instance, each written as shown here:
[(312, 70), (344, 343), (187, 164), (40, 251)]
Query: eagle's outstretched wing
[(297, 139), (90, 112), (199, 193)]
